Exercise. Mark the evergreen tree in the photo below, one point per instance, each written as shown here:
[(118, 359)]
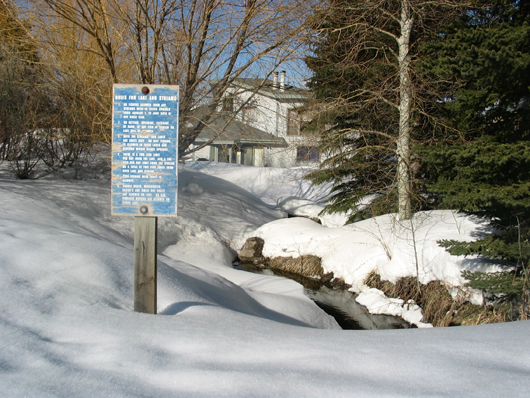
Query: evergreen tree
[(484, 168), (360, 161), (372, 104)]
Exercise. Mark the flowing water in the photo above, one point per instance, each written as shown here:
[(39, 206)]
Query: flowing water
[(338, 303)]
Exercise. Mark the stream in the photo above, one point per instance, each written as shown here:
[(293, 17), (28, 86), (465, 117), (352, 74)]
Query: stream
[(338, 303)]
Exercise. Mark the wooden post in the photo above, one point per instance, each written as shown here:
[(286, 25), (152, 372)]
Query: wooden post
[(145, 264)]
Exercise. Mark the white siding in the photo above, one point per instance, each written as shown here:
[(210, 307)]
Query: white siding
[(270, 115)]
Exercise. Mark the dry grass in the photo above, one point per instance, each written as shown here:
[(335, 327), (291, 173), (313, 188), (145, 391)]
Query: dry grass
[(471, 314), (438, 306), (303, 265)]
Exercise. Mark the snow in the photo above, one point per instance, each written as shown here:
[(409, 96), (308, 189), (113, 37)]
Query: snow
[(68, 328), (378, 303), (271, 184)]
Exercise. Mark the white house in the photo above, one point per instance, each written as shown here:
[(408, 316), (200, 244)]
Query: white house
[(259, 124)]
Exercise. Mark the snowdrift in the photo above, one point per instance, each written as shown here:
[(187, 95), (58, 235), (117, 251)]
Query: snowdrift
[(68, 329)]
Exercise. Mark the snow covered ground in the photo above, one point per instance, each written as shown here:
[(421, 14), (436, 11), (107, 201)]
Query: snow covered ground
[(68, 329)]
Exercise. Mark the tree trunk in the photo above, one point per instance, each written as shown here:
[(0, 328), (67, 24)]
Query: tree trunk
[(405, 110)]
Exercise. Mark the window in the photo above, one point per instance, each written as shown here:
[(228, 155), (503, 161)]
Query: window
[(250, 113), (293, 122), (228, 104), (307, 154), (297, 119)]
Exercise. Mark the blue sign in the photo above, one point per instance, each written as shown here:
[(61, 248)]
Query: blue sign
[(144, 150)]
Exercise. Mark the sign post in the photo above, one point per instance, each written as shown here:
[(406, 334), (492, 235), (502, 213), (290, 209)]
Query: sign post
[(145, 173)]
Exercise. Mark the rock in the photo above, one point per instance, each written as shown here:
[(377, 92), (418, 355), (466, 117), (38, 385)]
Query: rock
[(252, 251), (326, 278), (339, 284)]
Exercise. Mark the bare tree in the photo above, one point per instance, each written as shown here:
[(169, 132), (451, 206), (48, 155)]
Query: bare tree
[(24, 105), (201, 45)]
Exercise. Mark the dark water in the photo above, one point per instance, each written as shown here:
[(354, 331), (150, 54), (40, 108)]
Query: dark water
[(338, 303)]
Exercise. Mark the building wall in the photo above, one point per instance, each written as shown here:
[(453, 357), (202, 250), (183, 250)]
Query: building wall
[(271, 116), (203, 153)]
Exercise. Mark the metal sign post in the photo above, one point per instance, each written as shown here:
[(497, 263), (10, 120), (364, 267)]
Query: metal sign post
[(145, 173)]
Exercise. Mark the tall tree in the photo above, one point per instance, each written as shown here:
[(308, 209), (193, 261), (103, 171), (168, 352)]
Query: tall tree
[(192, 43), (373, 103), (485, 168)]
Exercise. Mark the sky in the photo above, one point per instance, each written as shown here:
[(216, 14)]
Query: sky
[(69, 330)]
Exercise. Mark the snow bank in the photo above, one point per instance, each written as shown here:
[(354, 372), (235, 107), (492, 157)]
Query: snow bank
[(68, 329), (393, 249), (267, 183), (307, 208), (377, 303)]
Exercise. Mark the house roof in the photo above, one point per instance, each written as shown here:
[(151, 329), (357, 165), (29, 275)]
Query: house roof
[(265, 87), (225, 130)]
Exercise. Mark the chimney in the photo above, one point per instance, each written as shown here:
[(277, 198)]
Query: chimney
[(282, 80), (275, 80)]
